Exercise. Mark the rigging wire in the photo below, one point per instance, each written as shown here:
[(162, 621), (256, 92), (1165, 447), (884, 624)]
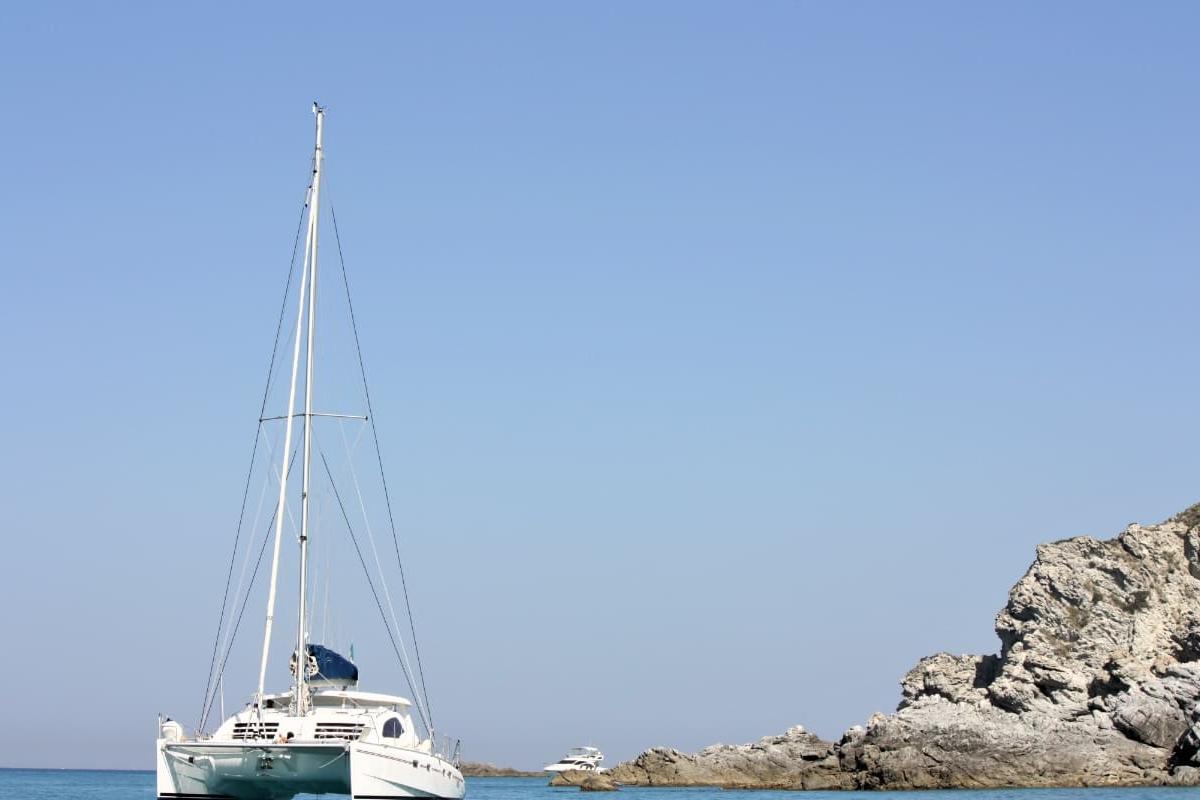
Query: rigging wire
[(379, 459), (370, 583), (210, 686), (269, 459), (387, 594), (245, 600), (262, 497), (326, 560), (247, 558)]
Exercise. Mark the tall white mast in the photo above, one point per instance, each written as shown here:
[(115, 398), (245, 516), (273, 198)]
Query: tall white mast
[(306, 297), (313, 224)]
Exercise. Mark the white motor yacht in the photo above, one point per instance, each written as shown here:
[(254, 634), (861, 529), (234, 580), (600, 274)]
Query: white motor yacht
[(582, 758)]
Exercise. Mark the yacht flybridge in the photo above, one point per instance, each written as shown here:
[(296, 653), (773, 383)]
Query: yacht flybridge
[(322, 734)]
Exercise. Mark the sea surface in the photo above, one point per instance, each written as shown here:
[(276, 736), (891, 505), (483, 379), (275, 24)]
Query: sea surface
[(69, 784)]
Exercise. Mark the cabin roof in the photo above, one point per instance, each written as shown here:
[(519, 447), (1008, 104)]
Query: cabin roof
[(362, 698)]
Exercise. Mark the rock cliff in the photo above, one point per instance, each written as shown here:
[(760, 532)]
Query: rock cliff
[(1096, 684)]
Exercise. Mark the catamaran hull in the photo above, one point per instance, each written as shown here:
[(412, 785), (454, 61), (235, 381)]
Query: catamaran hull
[(379, 772), (196, 770)]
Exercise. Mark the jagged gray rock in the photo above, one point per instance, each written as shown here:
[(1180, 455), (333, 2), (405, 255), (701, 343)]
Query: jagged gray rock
[(597, 782), (796, 759), (1096, 684), (586, 780)]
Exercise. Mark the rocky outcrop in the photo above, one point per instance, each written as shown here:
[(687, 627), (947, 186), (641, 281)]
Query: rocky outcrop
[(568, 777), (597, 783), (1096, 684), (795, 760), (586, 780)]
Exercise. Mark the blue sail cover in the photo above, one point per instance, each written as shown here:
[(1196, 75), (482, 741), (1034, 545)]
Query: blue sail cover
[(332, 666)]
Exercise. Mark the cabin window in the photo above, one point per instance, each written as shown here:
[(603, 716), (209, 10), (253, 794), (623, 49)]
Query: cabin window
[(392, 729)]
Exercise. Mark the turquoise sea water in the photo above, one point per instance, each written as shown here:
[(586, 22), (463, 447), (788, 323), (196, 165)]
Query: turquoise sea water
[(51, 784)]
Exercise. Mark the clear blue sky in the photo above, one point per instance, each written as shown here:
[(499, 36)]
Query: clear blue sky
[(729, 357)]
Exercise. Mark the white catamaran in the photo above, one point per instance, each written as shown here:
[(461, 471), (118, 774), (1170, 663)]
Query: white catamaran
[(321, 735)]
